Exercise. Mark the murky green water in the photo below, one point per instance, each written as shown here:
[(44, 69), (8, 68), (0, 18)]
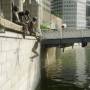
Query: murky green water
[(71, 70)]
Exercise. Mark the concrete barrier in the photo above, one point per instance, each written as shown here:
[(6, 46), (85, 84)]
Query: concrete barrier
[(17, 70)]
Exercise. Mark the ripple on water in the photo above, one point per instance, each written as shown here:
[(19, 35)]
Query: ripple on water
[(71, 72)]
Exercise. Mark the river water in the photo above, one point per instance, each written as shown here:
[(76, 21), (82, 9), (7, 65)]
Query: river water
[(71, 70)]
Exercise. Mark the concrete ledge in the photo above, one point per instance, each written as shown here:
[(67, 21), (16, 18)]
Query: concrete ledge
[(10, 25)]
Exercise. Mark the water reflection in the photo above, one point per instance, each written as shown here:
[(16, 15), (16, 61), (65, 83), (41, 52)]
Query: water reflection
[(71, 71), (81, 66)]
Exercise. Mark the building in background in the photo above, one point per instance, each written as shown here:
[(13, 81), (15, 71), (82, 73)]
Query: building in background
[(45, 13), (40, 9), (57, 7), (88, 13), (73, 12)]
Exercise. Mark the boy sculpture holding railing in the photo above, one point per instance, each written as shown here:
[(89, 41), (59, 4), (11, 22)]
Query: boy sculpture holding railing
[(22, 18)]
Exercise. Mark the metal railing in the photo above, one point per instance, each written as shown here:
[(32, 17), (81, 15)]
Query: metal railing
[(66, 33)]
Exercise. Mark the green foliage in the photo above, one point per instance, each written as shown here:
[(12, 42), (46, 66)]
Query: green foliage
[(44, 26)]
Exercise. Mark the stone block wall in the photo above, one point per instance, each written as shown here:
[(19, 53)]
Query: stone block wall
[(50, 57), (17, 70)]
